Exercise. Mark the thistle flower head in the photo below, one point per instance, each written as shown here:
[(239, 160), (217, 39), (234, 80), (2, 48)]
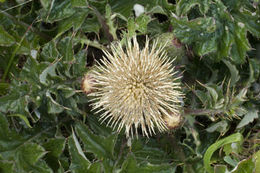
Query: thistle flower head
[(136, 88)]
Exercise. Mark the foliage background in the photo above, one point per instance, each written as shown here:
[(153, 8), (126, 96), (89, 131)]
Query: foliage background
[(45, 120)]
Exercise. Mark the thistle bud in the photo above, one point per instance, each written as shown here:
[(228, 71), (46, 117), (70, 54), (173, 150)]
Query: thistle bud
[(87, 83), (172, 121)]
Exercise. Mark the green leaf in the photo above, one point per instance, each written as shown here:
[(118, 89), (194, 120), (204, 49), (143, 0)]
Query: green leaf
[(221, 169), (79, 3), (50, 70), (203, 97), (102, 147), (54, 147), (199, 29), (12, 102), (228, 38), (98, 128), (206, 47), (75, 21), (6, 166), (219, 127), (225, 41), (230, 161), (110, 22), (245, 166), (241, 44), (236, 4), (138, 24), (67, 91), (5, 38), (53, 106), (131, 165), (65, 48), (142, 22), (248, 118), (24, 118), (237, 137), (250, 20), (95, 167), (79, 67), (184, 6), (256, 156), (49, 52), (79, 162), (28, 159), (45, 3), (145, 153), (91, 25), (8, 139), (255, 63), (30, 153), (25, 156), (32, 70), (235, 147), (216, 95), (125, 7), (58, 11), (3, 88), (233, 71)]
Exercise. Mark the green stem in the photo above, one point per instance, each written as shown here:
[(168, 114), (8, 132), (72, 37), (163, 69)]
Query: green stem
[(93, 44), (201, 111), (103, 23)]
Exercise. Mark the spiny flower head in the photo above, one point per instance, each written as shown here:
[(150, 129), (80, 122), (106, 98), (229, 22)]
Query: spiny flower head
[(136, 88)]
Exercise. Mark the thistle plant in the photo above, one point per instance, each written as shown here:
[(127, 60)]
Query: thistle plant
[(136, 88)]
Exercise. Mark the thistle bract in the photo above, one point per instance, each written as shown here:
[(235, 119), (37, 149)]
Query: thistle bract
[(136, 88)]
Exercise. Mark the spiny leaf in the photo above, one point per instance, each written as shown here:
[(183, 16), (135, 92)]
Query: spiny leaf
[(233, 71), (79, 162), (102, 147), (248, 118)]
